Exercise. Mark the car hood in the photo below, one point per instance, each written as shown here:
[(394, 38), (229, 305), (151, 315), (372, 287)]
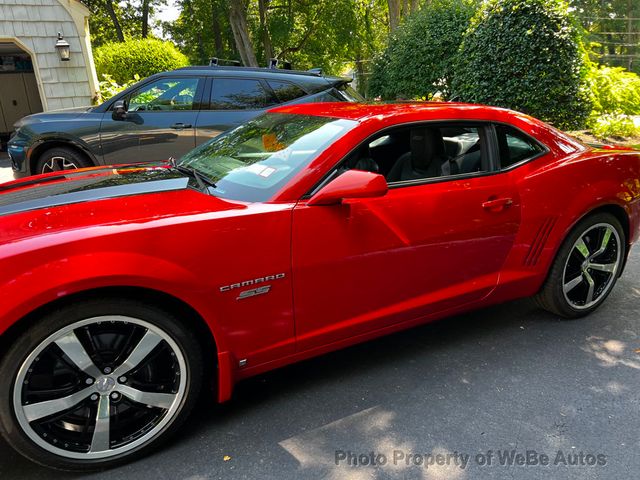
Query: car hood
[(65, 113), (103, 199), (69, 187)]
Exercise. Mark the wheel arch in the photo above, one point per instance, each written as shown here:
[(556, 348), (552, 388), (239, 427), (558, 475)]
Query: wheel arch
[(218, 381), (48, 144), (612, 208)]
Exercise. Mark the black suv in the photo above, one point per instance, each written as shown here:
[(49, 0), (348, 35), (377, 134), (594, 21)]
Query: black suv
[(163, 116)]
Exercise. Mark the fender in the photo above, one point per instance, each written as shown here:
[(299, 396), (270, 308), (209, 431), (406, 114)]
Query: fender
[(40, 144), (35, 288)]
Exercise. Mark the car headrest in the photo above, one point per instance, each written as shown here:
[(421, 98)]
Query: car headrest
[(427, 145)]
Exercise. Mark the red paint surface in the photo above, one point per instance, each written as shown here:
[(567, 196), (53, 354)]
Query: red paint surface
[(352, 270)]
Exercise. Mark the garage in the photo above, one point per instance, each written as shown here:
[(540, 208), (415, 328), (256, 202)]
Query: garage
[(19, 94), (46, 61)]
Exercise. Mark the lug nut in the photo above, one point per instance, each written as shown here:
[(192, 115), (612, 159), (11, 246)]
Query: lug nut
[(115, 396), (94, 396), (107, 370), (89, 381), (122, 379)]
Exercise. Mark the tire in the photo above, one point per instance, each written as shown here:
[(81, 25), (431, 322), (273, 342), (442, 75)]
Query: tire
[(60, 158), (104, 338), (592, 254)]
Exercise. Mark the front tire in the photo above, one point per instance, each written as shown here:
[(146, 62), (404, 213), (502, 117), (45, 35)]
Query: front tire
[(586, 267), (60, 158), (98, 383)]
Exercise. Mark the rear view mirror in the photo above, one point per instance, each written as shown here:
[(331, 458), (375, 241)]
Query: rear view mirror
[(351, 184), (119, 110)]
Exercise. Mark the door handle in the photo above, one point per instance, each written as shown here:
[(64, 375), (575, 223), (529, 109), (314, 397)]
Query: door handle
[(497, 204), (181, 126)]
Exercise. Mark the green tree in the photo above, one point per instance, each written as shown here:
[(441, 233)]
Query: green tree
[(419, 58), (111, 20), (525, 55)]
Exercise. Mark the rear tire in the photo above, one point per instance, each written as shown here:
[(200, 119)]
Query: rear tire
[(98, 383), (586, 267), (60, 158)]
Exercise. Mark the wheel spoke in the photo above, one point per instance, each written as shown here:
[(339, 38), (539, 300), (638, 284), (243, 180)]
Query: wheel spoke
[(570, 285), (605, 242), (592, 286), (162, 400), (146, 344), (582, 248), (604, 267), (40, 410), (100, 440), (73, 349)]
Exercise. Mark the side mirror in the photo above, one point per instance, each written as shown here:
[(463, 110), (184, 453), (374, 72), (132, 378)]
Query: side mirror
[(351, 184), (119, 110)]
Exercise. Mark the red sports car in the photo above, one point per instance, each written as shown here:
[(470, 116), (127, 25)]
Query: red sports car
[(124, 290)]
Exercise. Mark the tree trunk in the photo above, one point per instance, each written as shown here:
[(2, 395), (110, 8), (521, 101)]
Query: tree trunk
[(264, 30), (145, 18), (114, 18), (217, 30), (238, 20), (394, 14)]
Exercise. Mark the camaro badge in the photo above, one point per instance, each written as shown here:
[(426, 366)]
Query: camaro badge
[(252, 292)]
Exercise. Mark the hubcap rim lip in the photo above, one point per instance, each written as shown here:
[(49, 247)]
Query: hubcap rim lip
[(612, 277), (168, 418)]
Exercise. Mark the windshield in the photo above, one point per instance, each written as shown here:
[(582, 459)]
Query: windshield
[(253, 161)]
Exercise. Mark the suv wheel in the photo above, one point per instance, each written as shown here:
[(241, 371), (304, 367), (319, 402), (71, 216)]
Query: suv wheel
[(97, 383), (60, 158)]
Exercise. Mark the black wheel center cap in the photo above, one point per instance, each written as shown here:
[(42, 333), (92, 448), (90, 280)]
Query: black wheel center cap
[(105, 384)]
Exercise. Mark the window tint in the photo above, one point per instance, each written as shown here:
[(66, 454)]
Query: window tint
[(428, 151), (165, 94), (515, 146), (285, 91), (239, 94)]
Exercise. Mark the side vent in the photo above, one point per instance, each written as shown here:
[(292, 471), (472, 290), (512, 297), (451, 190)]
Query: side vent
[(539, 241)]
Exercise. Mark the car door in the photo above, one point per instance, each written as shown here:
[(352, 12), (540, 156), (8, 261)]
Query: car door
[(426, 246), (160, 122), (232, 102)]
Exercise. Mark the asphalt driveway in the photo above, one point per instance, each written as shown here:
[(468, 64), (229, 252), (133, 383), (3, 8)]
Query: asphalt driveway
[(508, 378)]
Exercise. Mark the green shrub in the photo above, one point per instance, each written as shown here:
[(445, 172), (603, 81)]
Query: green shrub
[(109, 87), (136, 57), (525, 55), (613, 125), (419, 59), (616, 90)]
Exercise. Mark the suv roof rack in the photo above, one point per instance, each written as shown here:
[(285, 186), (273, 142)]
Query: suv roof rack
[(314, 72)]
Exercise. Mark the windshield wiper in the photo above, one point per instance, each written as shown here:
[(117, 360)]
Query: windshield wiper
[(203, 181)]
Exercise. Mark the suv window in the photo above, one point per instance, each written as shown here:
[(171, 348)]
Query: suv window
[(285, 91), (165, 94), (240, 94), (515, 146)]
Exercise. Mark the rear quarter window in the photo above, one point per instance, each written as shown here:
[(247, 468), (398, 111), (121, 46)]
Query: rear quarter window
[(515, 146)]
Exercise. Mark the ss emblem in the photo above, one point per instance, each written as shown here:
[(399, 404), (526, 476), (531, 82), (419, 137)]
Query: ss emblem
[(253, 292)]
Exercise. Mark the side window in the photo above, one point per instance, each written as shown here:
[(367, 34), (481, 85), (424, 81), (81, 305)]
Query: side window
[(239, 94), (165, 94), (285, 91), (515, 146), (423, 152)]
